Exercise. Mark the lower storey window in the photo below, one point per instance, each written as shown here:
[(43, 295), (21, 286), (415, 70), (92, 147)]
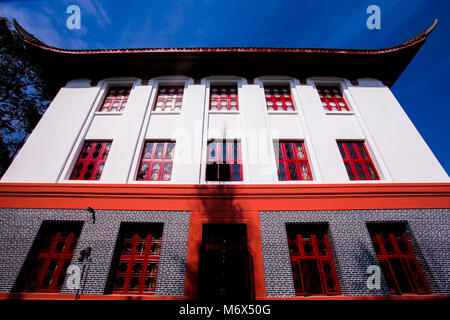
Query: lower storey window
[(91, 160), (397, 260), (139, 248), (224, 161), (357, 161), (54, 249), (311, 260)]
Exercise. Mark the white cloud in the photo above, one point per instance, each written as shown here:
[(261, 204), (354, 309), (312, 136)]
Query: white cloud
[(40, 24)]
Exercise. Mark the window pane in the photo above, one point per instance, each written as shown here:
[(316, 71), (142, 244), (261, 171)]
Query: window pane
[(169, 99), (91, 161), (116, 99), (293, 158), (278, 98), (332, 99), (156, 162), (134, 270), (358, 163)]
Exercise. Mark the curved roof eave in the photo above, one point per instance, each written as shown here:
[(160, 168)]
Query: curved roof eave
[(385, 64), (32, 40)]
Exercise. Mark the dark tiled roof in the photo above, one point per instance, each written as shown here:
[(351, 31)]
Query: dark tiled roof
[(31, 39)]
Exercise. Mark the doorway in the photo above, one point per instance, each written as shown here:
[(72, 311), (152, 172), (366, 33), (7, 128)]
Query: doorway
[(225, 270)]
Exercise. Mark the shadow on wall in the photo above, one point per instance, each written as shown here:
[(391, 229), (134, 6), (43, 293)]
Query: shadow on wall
[(365, 257), (225, 268)]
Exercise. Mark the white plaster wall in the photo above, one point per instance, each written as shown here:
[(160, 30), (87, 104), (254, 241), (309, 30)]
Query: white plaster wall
[(47, 149), (401, 147), (323, 134), (397, 149)]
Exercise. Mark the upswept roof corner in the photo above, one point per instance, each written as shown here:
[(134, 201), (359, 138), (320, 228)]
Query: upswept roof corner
[(61, 65), (31, 39)]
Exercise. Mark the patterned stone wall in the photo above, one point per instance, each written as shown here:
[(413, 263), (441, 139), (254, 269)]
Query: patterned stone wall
[(427, 229), (19, 227)]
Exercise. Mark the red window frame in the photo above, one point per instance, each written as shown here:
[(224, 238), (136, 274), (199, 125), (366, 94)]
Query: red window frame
[(156, 161), (398, 262), (357, 161), (91, 160), (55, 252), (279, 98), (310, 250), (332, 99), (292, 161), (169, 98), (115, 99), (138, 262), (224, 161), (223, 97)]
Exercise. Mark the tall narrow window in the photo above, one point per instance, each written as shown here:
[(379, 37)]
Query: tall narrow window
[(224, 98), (54, 250), (292, 161), (169, 98), (116, 99), (357, 161), (139, 250), (397, 260), (91, 160), (224, 161), (157, 161), (311, 260), (332, 99), (278, 98)]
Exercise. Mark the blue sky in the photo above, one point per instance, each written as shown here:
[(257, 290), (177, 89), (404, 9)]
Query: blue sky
[(422, 89)]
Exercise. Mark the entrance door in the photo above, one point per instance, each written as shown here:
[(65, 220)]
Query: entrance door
[(225, 270)]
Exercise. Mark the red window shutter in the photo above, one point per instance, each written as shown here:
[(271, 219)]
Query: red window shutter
[(332, 99), (169, 98), (91, 160), (292, 161), (116, 99), (398, 263), (278, 98), (156, 161), (224, 98), (312, 263), (138, 264), (357, 161), (54, 257)]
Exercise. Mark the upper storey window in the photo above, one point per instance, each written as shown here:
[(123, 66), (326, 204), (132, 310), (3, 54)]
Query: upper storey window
[(169, 98), (278, 98), (224, 98), (332, 99), (116, 99), (357, 161)]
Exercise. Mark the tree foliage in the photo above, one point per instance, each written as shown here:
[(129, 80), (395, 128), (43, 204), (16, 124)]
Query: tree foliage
[(24, 95)]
